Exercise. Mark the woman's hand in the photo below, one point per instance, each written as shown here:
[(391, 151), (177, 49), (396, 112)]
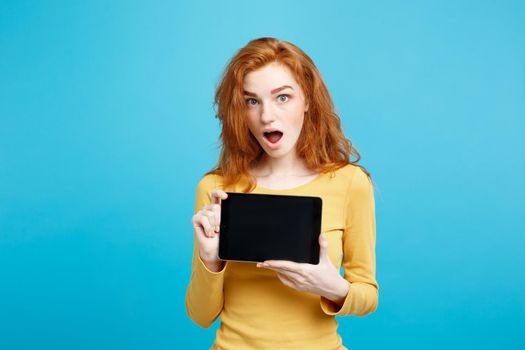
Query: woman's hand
[(322, 279), (206, 224)]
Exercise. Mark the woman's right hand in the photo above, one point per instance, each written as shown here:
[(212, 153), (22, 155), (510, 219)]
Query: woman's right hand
[(206, 224)]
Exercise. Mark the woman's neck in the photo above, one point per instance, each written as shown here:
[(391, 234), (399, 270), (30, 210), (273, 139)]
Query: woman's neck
[(283, 167)]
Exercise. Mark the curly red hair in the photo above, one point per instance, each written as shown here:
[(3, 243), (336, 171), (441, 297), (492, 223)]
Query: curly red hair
[(321, 143)]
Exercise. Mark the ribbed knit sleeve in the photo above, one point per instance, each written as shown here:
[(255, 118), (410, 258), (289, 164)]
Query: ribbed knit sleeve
[(359, 259)]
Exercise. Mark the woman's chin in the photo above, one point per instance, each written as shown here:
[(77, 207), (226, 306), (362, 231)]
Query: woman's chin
[(276, 153), (275, 150)]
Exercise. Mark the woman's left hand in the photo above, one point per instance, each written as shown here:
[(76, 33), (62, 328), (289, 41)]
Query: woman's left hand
[(322, 279)]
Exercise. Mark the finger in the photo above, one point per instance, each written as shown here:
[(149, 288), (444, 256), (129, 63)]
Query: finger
[(211, 217), (285, 265), (209, 212), (289, 274), (216, 208), (217, 195), (323, 247), (198, 227), (206, 226), (285, 280)]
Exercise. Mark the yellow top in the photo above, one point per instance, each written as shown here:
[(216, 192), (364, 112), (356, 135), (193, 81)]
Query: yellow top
[(256, 310)]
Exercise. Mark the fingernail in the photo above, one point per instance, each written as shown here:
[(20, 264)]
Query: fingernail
[(258, 264)]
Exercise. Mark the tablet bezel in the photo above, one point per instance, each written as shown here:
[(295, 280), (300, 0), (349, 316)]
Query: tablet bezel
[(316, 221)]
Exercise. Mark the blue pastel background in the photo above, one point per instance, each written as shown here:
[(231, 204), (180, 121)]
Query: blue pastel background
[(106, 125)]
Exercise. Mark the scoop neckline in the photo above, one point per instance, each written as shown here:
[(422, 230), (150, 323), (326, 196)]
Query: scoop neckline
[(306, 184)]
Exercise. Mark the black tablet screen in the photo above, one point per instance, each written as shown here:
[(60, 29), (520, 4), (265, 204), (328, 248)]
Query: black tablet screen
[(258, 227)]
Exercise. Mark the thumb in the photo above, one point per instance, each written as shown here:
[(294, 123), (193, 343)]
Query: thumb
[(323, 244)]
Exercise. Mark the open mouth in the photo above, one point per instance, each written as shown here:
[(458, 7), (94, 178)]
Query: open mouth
[(273, 137)]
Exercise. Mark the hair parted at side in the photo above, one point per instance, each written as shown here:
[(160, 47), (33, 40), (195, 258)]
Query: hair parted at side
[(321, 143)]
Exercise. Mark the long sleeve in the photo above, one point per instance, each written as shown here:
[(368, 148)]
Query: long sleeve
[(359, 260), (204, 295)]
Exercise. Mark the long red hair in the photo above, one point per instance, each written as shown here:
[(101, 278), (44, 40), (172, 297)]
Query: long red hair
[(321, 143)]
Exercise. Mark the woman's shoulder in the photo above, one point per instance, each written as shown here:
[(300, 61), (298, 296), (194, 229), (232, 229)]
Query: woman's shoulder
[(354, 177), (351, 171), (209, 181)]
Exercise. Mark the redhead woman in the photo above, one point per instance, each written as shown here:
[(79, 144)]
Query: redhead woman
[(280, 134)]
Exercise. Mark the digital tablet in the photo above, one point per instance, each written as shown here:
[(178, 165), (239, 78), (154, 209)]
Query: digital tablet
[(258, 227)]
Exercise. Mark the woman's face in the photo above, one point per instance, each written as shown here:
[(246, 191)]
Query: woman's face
[(274, 102)]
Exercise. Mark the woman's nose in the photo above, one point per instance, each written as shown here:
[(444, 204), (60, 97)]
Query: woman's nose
[(267, 114)]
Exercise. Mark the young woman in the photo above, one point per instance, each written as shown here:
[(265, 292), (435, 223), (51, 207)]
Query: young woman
[(281, 135)]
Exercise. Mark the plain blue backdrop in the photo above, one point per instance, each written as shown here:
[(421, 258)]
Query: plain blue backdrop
[(107, 125)]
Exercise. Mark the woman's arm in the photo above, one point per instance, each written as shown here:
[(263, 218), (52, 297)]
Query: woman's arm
[(204, 295), (359, 260)]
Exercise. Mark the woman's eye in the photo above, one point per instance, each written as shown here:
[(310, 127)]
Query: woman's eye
[(285, 96), (249, 101)]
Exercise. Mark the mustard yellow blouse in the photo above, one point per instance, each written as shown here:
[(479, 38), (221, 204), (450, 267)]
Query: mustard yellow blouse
[(256, 310)]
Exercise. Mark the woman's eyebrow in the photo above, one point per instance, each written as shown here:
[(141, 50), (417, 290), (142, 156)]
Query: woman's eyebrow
[(274, 91)]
